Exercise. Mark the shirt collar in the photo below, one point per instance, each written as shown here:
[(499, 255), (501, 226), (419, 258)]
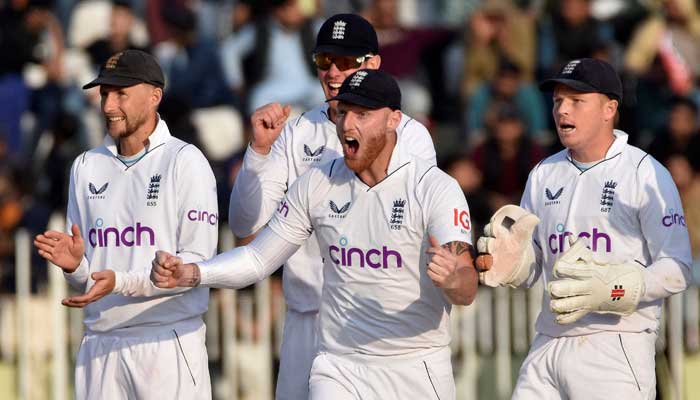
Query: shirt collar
[(398, 157), (159, 136), (616, 147)]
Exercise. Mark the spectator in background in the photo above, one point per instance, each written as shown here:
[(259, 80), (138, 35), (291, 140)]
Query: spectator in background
[(249, 59), (507, 86), (663, 57), (506, 157), (686, 178), (669, 38), (121, 21), (29, 34), (680, 134), (158, 29), (406, 53), (497, 29), (191, 64), (570, 33)]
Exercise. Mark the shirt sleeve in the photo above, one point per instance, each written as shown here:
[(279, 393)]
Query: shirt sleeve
[(78, 278), (666, 235), (259, 187), (446, 209), (198, 210), (292, 220), (246, 265), (527, 202), (418, 139)]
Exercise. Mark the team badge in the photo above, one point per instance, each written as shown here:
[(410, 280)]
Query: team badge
[(338, 30), (153, 191), (397, 211), (608, 196), (358, 78)]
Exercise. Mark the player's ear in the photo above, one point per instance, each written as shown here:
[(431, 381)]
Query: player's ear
[(156, 96), (394, 120), (374, 62), (610, 109)]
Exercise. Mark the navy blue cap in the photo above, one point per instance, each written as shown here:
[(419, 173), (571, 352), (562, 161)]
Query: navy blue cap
[(129, 68), (588, 75), (347, 35), (370, 88)]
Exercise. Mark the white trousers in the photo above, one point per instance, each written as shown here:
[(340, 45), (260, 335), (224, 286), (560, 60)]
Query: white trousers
[(170, 364), (299, 347), (600, 366), (392, 377)]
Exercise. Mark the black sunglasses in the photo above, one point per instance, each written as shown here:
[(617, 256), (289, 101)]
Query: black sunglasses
[(323, 61)]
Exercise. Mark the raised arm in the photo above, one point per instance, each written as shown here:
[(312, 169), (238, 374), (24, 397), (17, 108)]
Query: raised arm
[(262, 179)]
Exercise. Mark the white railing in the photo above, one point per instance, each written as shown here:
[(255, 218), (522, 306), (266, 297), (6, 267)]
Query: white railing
[(490, 338)]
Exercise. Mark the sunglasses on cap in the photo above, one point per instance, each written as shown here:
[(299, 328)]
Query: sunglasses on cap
[(323, 61)]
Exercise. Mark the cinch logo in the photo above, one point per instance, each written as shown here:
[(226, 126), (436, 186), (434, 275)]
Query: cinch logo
[(206, 216), (552, 197), (128, 237), (314, 155), (374, 258), (283, 208), (461, 218), (557, 241), (673, 218)]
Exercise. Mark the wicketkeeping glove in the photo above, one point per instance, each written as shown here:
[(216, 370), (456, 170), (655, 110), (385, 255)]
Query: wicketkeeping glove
[(583, 286), (508, 238)]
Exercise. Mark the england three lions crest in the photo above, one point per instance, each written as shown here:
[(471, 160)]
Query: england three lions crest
[(397, 214)]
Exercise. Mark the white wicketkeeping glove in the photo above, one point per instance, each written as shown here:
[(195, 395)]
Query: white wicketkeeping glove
[(508, 238), (583, 286)]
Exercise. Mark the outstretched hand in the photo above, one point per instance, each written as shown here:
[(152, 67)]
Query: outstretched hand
[(64, 250), (104, 284)]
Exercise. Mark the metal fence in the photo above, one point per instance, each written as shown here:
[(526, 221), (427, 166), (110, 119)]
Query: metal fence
[(39, 337)]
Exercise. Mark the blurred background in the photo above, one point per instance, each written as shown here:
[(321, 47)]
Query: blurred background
[(467, 69)]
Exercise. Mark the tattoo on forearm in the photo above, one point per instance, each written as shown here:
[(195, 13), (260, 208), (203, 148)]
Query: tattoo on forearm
[(458, 248), (191, 276)]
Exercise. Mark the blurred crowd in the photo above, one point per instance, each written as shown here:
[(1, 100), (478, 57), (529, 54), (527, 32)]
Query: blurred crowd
[(468, 70)]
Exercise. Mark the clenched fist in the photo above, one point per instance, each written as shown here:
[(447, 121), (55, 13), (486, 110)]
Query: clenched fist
[(268, 122)]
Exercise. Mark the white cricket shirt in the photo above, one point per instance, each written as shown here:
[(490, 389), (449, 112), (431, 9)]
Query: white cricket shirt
[(627, 208), (165, 201), (305, 142), (377, 298)]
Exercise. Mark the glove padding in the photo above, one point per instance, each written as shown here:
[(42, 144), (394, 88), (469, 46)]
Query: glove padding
[(508, 238), (583, 286)]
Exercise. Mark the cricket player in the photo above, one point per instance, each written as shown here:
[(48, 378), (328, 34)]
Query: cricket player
[(281, 151), (379, 215), (602, 221), (140, 191)]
